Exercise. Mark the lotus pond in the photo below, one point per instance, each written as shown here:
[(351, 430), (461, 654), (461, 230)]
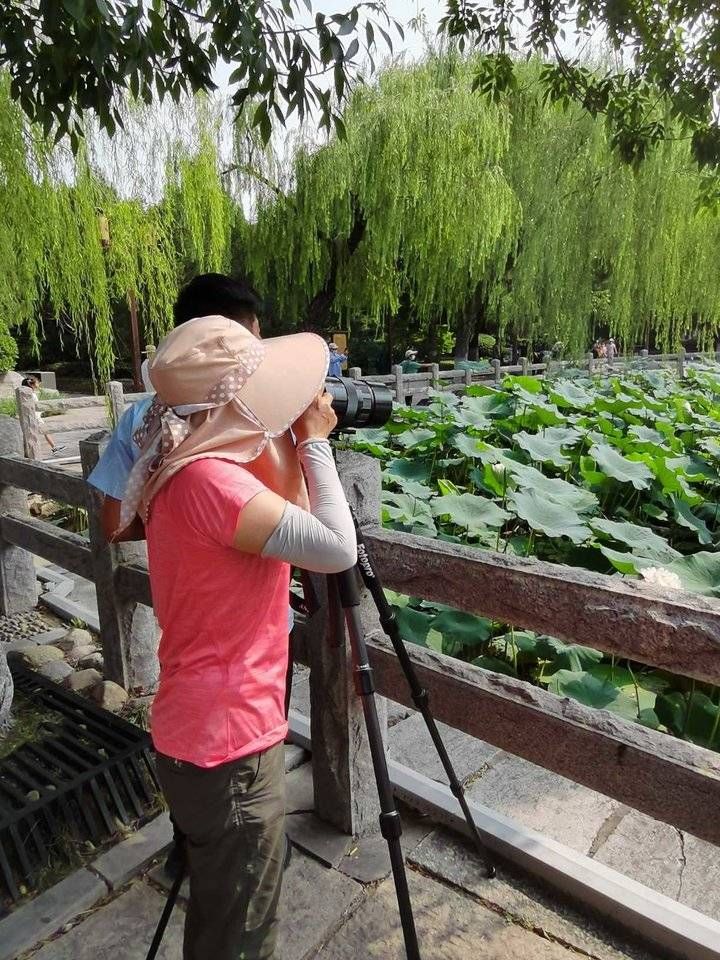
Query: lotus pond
[(618, 475)]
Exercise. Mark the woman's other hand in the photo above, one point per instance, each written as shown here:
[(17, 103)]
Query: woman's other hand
[(318, 421)]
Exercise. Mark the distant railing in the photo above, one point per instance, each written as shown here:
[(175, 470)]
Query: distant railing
[(407, 388)]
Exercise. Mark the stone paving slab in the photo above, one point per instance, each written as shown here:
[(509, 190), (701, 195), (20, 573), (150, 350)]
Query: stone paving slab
[(120, 930), (666, 859), (551, 804), (409, 742), (126, 859), (47, 913), (313, 904), (450, 925), (517, 897)]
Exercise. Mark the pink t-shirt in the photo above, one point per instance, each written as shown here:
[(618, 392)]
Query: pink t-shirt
[(223, 614)]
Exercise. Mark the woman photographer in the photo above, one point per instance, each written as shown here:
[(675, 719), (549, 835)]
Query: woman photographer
[(230, 502)]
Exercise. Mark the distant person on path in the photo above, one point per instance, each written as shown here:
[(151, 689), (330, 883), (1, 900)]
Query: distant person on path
[(337, 360), (611, 350), (230, 505), (32, 383), (410, 364)]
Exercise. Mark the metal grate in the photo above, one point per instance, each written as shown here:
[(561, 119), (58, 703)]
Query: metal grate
[(87, 770)]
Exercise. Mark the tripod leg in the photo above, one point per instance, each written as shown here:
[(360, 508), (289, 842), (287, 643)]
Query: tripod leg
[(390, 823), (418, 692), (165, 915)]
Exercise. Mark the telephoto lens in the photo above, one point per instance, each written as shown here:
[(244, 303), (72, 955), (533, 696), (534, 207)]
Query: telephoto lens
[(358, 403)]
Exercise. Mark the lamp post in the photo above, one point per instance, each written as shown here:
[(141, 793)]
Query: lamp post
[(104, 232)]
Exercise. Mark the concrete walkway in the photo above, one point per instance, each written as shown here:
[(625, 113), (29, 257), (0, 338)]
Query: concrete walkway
[(349, 911)]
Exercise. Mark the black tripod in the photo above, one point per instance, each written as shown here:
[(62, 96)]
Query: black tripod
[(347, 586)]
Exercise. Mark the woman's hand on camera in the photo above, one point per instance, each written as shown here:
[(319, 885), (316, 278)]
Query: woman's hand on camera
[(318, 421)]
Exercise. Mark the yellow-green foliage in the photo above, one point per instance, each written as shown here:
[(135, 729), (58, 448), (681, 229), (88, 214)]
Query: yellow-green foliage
[(522, 202), (52, 259)]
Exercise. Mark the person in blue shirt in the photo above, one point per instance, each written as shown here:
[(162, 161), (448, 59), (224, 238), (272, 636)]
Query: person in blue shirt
[(337, 360)]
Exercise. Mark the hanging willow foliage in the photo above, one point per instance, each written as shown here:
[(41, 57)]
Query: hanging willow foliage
[(71, 248), (421, 168), (517, 212)]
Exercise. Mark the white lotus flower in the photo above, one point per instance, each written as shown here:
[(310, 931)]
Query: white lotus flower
[(498, 469), (662, 578)]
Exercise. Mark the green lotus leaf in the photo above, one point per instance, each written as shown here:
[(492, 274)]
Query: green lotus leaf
[(553, 519), (542, 449), (686, 518), (418, 437), (463, 628), (566, 394), (640, 539), (467, 510), (414, 469), (554, 488), (614, 465)]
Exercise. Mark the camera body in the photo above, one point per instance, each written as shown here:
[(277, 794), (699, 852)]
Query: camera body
[(358, 403)]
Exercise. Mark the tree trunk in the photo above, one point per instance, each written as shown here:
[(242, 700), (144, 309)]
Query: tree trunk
[(466, 328), (320, 308)]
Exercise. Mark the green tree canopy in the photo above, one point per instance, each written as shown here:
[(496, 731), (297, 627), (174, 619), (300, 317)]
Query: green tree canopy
[(70, 57), (514, 215), (72, 248)]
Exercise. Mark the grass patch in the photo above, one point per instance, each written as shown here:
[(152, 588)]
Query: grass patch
[(27, 720)]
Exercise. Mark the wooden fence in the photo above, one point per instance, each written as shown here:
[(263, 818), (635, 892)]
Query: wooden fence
[(664, 777)]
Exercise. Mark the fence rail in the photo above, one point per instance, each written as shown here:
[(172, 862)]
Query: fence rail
[(664, 777)]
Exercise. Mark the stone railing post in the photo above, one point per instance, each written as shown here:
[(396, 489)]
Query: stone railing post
[(435, 375), (355, 373), (525, 366), (497, 373), (29, 423), (116, 399), (129, 634), (590, 361), (18, 580), (468, 377), (344, 783), (681, 364), (399, 383)]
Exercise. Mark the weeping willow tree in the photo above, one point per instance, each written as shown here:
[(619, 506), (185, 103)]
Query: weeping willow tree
[(73, 248), (512, 217), (391, 213)]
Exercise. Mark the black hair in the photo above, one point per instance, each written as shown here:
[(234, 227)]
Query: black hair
[(30, 382), (214, 293)]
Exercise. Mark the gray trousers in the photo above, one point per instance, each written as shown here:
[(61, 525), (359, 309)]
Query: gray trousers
[(233, 819)]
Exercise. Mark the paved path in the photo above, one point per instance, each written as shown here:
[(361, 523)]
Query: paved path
[(331, 913)]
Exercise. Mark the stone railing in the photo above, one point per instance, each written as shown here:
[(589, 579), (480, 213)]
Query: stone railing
[(408, 388), (666, 778)]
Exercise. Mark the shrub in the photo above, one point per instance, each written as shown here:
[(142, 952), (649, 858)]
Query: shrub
[(8, 350)]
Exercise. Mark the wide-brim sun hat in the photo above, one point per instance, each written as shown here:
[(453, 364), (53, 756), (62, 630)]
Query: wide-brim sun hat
[(214, 360)]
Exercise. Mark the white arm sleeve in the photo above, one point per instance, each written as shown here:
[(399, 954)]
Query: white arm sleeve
[(322, 540)]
